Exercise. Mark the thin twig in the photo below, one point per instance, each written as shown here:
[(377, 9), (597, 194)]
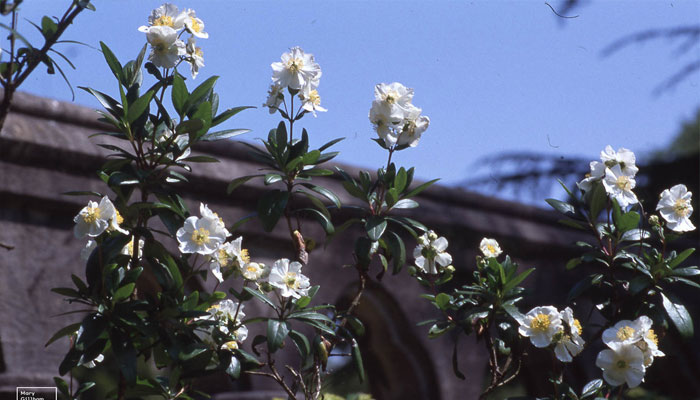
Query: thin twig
[(557, 14)]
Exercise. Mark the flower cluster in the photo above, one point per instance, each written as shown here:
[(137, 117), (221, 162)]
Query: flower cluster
[(632, 348), (546, 325), (299, 73), (616, 170), (430, 253), (165, 26), (227, 328), (397, 121), (97, 218)]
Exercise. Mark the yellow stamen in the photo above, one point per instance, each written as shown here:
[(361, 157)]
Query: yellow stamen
[(295, 64), (291, 280), (232, 345), (624, 183), (245, 256), (92, 215), (681, 208), (200, 236), (621, 364), (223, 257), (491, 248), (164, 20), (626, 332), (578, 327), (540, 322), (314, 98), (195, 26), (651, 335)]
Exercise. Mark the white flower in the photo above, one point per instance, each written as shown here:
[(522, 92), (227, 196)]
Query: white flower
[(570, 343), (619, 186), (274, 97), (206, 212), (540, 325), (311, 99), (413, 127), (622, 363), (395, 97), (165, 15), (87, 250), (623, 157), (430, 253), (490, 247), (296, 70), (225, 313), (195, 25), (195, 56), (229, 255), (166, 48), (254, 271), (128, 249), (115, 223), (94, 218), (380, 117), (675, 207), (649, 343), (287, 277), (625, 332), (200, 235), (596, 174)]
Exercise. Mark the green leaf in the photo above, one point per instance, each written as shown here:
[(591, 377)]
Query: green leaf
[(62, 386), (406, 203), (420, 188), (65, 331), (627, 221), (322, 219), (109, 103), (679, 316), (238, 182), (455, 362), (324, 192), (375, 227), (234, 368), (354, 190), (84, 387), (260, 297), (516, 281), (598, 200), (400, 180), (592, 388), (302, 344), (221, 135), (123, 292), (442, 300), (198, 94), (48, 28), (271, 207), (179, 94), (357, 358), (680, 258), (125, 355), (137, 108), (329, 144), (364, 249), (113, 63), (228, 114), (573, 263), (397, 249), (562, 207), (276, 333)]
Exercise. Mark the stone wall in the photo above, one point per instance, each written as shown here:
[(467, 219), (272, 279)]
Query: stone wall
[(45, 151)]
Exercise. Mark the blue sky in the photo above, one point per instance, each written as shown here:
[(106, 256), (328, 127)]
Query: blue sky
[(492, 75)]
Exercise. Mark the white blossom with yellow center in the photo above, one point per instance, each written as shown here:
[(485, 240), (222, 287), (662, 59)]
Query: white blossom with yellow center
[(675, 206), (311, 100), (619, 186), (275, 95), (540, 325), (490, 247), (200, 235), (94, 218), (622, 363), (296, 70), (623, 157), (287, 277), (194, 25), (254, 271), (165, 15), (569, 340), (195, 56), (166, 48), (414, 125)]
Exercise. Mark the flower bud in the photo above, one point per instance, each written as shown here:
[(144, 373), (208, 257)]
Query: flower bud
[(654, 220)]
